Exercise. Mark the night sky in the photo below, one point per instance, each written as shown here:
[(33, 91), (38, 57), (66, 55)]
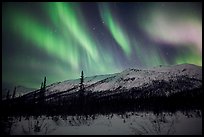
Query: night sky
[(58, 40)]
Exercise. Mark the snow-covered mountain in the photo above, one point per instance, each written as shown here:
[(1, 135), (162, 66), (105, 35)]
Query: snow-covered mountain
[(69, 84), (20, 91), (157, 81)]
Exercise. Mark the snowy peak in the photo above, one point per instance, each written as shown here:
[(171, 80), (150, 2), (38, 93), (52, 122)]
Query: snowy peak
[(69, 84), (131, 78), (136, 77), (162, 80)]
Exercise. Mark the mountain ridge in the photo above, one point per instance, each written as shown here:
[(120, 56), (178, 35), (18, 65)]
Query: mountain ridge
[(133, 78), (168, 88)]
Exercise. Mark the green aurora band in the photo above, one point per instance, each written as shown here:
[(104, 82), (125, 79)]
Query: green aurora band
[(65, 13), (115, 29), (66, 47), (74, 47)]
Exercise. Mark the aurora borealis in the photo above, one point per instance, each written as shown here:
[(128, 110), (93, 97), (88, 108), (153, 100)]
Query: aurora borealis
[(59, 39)]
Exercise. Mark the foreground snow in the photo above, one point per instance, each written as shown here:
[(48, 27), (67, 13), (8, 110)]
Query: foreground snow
[(128, 123)]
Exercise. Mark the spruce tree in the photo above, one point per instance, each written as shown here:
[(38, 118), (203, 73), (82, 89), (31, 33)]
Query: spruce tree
[(42, 91), (82, 82), (81, 92), (14, 93), (8, 96), (44, 85)]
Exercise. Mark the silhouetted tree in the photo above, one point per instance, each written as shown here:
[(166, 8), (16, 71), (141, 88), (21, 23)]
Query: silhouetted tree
[(14, 93), (44, 85), (81, 90), (82, 82), (42, 92), (41, 86), (82, 97), (8, 95)]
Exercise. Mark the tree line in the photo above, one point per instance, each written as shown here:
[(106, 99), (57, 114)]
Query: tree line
[(84, 101)]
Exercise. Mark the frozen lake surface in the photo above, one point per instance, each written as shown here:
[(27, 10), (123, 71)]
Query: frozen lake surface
[(129, 123)]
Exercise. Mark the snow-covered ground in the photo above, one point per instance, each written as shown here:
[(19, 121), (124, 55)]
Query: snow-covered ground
[(130, 123)]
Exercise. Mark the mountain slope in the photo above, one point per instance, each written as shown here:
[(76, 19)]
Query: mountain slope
[(132, 78), (158, 81), (69, 84), (20, 91)]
